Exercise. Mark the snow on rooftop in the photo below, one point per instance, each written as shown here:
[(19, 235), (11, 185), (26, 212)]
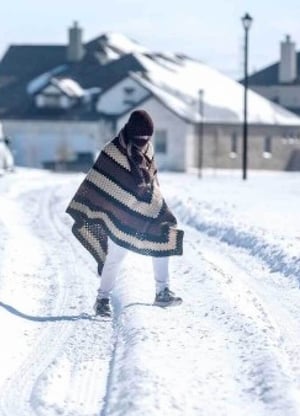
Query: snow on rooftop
[(41, 81), (170, 100), (176, 80), (110, 53), (123, 44), (69, 87), (178, 85)]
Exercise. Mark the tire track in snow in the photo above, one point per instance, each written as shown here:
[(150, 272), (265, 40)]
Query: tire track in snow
[(87, 352), (255, 329), (278, 301), (218, 354), (26, 393), (16, 393)]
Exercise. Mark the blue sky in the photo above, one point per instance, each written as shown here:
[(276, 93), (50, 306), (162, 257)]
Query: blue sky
[(210, 30)]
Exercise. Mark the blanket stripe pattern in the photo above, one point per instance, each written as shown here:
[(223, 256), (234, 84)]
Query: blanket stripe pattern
[(109, 203)]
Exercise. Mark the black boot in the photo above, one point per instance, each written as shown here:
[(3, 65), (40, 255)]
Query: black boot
[(167, 298), (102, 307)]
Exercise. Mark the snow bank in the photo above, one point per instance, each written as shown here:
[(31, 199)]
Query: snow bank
[(256, 243), (259, 216)]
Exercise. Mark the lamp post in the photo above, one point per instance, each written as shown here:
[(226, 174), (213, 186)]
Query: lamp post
[(200, 131), (247, 20)]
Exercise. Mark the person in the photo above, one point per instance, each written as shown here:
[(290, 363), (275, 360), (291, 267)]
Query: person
[(6, 156), (119, 207)]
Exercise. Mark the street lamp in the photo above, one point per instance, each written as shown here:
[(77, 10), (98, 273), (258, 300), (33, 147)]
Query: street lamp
[(200, 131), (247, 20)]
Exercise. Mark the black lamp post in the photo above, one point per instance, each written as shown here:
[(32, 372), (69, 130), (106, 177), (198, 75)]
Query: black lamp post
[(247, 20), (200, 131)]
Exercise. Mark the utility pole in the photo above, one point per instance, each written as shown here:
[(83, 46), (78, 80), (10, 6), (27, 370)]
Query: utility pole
[(200, 133), (247, 20)]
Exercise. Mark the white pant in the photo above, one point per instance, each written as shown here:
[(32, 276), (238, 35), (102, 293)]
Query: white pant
[(114, 258)]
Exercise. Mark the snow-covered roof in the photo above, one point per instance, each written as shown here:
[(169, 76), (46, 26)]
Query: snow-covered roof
[(38, 83), (69, 87), (173, 79), (177, 82), (121, 43), (110, 53)]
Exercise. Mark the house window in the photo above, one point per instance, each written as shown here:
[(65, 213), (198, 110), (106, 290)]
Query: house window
[(160, 141), (233, 145), (129, 90), (291, 137), (52, 101), (267, 153), (129, 93)]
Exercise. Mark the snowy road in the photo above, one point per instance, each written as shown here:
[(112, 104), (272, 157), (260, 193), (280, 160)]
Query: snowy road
[(232, 348)]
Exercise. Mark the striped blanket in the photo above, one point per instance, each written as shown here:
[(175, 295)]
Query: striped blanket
[(109, 203)]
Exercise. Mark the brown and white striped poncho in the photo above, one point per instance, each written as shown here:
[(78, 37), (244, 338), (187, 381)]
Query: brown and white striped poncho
[(110, 203)]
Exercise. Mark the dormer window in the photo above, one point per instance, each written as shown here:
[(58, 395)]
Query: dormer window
[(50, 101), (59, 93)]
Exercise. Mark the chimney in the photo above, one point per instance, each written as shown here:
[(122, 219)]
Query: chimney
[(75, 50), (288, 61)]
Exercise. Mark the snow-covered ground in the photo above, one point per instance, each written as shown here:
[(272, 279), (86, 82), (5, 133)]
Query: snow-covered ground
[(232, 348)]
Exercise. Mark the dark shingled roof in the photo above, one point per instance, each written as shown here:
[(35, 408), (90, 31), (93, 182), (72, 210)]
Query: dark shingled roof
[(28, 61), (89, 73), (269, 75), (23, 63)]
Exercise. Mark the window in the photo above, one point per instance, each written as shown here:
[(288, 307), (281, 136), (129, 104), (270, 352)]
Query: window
[(129, 90), (233, 145), (48, 100), (160, 141), (129, 93), (267, 153)]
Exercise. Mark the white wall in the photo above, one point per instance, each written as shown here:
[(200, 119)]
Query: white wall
[(35, 142), (177, 131), (192, 147), (114, 101)]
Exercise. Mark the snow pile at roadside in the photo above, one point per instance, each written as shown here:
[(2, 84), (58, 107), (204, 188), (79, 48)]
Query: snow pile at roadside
[(258, 244), (260, 216)]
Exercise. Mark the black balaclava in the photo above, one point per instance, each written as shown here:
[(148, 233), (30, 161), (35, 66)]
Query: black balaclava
[(138, 131)]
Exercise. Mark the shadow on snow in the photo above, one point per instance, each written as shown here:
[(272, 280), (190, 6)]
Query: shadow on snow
[(14, 311)]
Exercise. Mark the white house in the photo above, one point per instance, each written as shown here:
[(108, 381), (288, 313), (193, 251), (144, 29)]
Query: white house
[(72, 99)]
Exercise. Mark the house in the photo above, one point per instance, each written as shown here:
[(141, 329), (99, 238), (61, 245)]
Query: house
[(60, 104), (280, 82)]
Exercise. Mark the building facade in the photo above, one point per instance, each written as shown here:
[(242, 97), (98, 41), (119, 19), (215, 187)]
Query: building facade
[(61, 104), (280, 82)]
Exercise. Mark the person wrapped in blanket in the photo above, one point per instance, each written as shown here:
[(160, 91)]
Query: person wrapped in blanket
[(119, 207)]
